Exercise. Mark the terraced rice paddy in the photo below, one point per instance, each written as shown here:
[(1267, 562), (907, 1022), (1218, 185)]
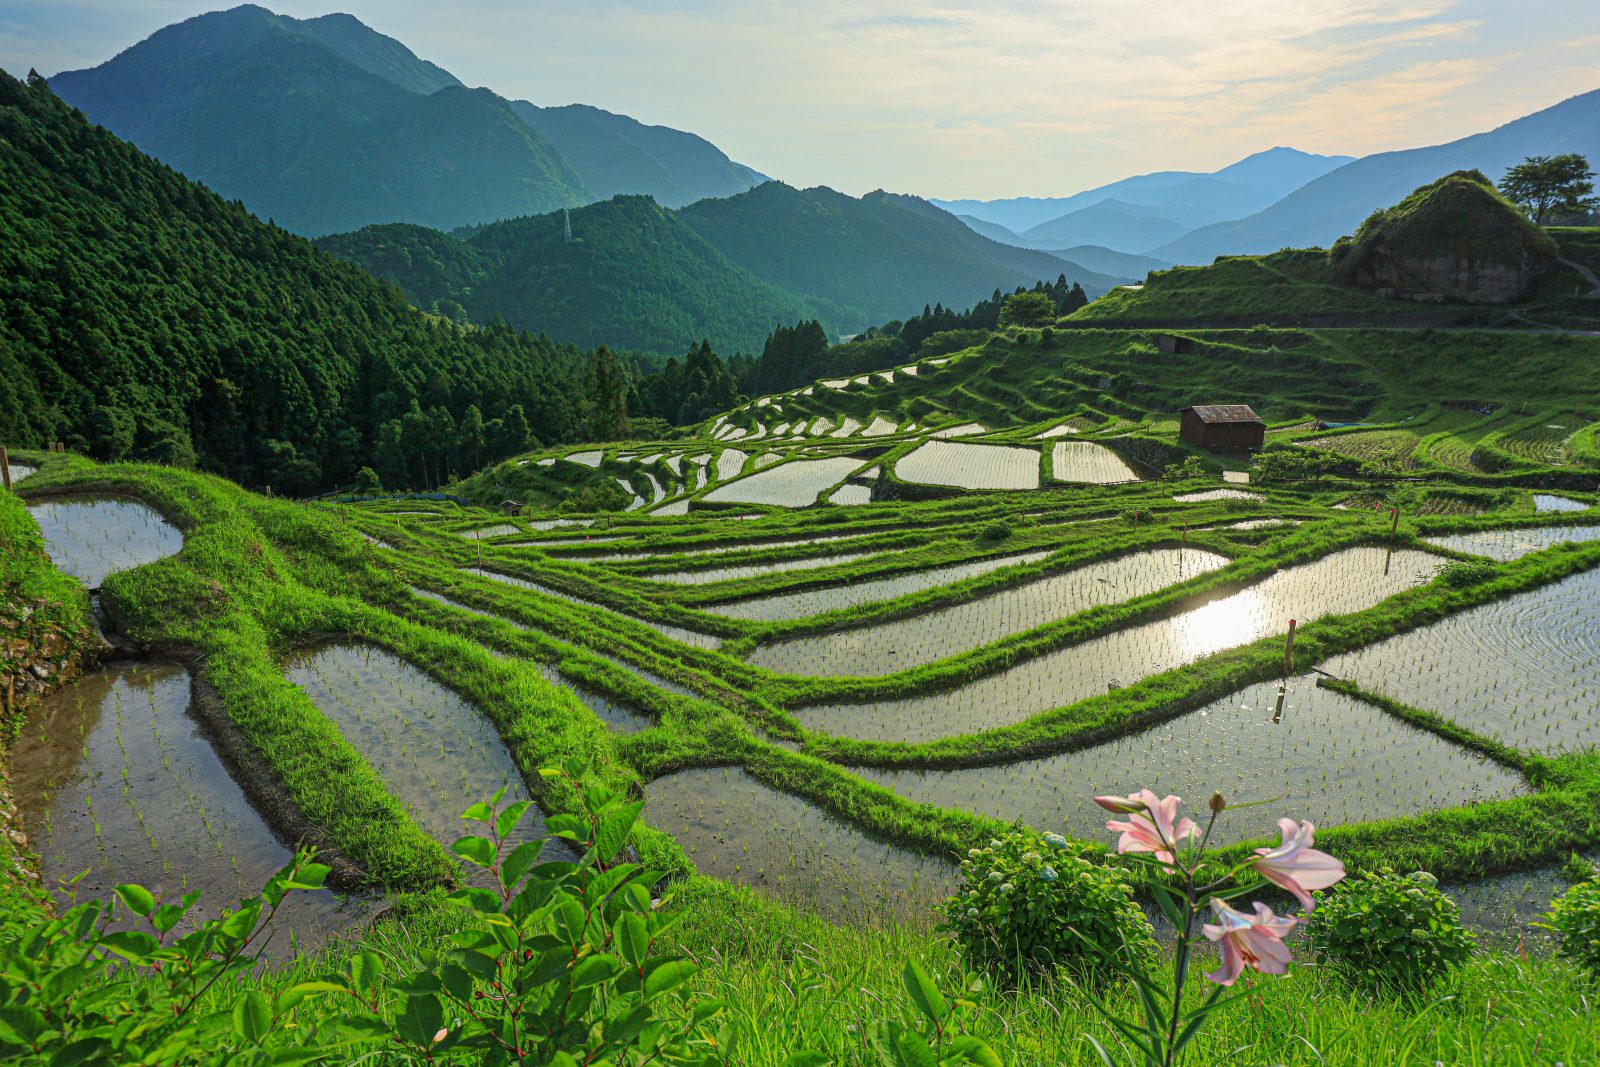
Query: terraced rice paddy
[(880, 427), (1525, 670), (809, 602), (750, 570), (1547, 502), (970, 466), (20, 471), (790, 485), (676, 633), (1084, 461), (1346, 581), (1514, 543), (115, 777), (966, 429), (91, 537), (730, 461), (1204, 495), (935, 635), (739, 829), (491, 531), (435, 753), (1336, 760), (851, 494), (585, 459)]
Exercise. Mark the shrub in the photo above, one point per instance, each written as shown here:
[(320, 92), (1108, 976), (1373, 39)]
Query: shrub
[(1191, 467), (995, 532), (1463, 573), (1021, 899), (1574, 917), (1389, 931)]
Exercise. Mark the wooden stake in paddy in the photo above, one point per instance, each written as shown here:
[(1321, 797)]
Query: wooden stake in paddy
[(1288, 668), (5, 467)]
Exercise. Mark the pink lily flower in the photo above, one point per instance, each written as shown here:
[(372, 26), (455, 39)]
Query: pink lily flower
[(1296, 866), (1248, 941), (1150, 824)]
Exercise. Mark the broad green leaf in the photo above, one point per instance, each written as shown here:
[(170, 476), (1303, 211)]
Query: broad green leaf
[(924, 992), (136, 898), (667, 974), (594, 970), (632, 935), (613, 831), (507, 820), (252, 1017), (418, 1020), (365, 970), (475, 850)]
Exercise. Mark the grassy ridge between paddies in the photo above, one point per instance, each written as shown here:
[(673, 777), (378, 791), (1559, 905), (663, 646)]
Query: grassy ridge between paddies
[(45, 624), (258, 579)]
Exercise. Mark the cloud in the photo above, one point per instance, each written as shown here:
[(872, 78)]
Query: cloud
[(961, 97)]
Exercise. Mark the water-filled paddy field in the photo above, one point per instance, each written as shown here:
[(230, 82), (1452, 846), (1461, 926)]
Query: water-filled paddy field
[(1334, 759), (1524, 670), (1514, 543), (91, 537), (1349, 580), (114, 776), (919, 639), (435, 752), (737, 828), (677, 633), (807, 602)]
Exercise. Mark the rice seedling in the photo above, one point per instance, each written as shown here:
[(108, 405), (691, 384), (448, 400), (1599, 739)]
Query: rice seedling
[(970, 466), (1084, 461), (790, 485), (924, 638), (1514, 542), (92, 537)]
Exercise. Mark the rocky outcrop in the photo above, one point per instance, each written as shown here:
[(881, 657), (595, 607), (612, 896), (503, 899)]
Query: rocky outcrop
[(1455, 240)]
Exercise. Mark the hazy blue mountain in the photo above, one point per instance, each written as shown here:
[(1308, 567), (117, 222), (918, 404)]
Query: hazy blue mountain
[(615, 154), (1116, 224), (1110, 261), (866, 261), (324, 125), (1336, 203), (1187, 198), (262, 109), (994, 231)]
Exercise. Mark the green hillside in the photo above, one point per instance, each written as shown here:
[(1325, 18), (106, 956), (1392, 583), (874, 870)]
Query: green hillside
[(322, 127), (1453, 253), (633, 276), (141, 315), (871, 260)]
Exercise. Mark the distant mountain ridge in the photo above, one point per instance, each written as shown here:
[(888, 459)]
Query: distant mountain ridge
[(1337, 202), (1183, 199), (326, 125), (865, 261)]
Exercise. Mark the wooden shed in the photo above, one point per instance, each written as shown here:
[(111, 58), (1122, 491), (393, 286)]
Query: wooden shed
[(1224, 426)]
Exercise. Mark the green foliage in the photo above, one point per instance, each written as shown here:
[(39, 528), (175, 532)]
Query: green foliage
[(633, 277), (1191, 467), (1026, 904), (560, 967), (1575, 918), (1551, 188), (1027, 309), (1389, 931), (995, 532), (1467, 572), (868, 260), (601, 496), (143, 317)]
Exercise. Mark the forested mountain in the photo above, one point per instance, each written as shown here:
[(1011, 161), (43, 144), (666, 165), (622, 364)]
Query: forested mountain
[(1188, 198), (259, 108), (143, 316), (868, 260), (633, 276), (615, 154), (325, 125), (1337, 202)]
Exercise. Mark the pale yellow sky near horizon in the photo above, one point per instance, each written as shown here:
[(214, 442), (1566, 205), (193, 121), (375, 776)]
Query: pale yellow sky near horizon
[(962, 99)]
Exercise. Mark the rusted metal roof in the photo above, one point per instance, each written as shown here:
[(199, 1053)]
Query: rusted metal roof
[(1214, 413)]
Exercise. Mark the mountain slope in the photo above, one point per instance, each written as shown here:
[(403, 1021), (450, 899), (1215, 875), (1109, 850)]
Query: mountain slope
[(867, 261), (615, 154), (1193, 198), (1337, 202), (1114, 224), (143, 316), (633, 276), (261, 109), (1110, 261), (325, 125)]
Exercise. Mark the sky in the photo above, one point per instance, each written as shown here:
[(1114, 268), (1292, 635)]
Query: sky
[(962, 99)]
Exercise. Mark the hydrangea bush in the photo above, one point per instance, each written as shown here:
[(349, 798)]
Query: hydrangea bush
[(1392, 931), (1027, 903)]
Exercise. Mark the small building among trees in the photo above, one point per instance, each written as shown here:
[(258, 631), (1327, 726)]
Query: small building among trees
[(1222, 426)]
